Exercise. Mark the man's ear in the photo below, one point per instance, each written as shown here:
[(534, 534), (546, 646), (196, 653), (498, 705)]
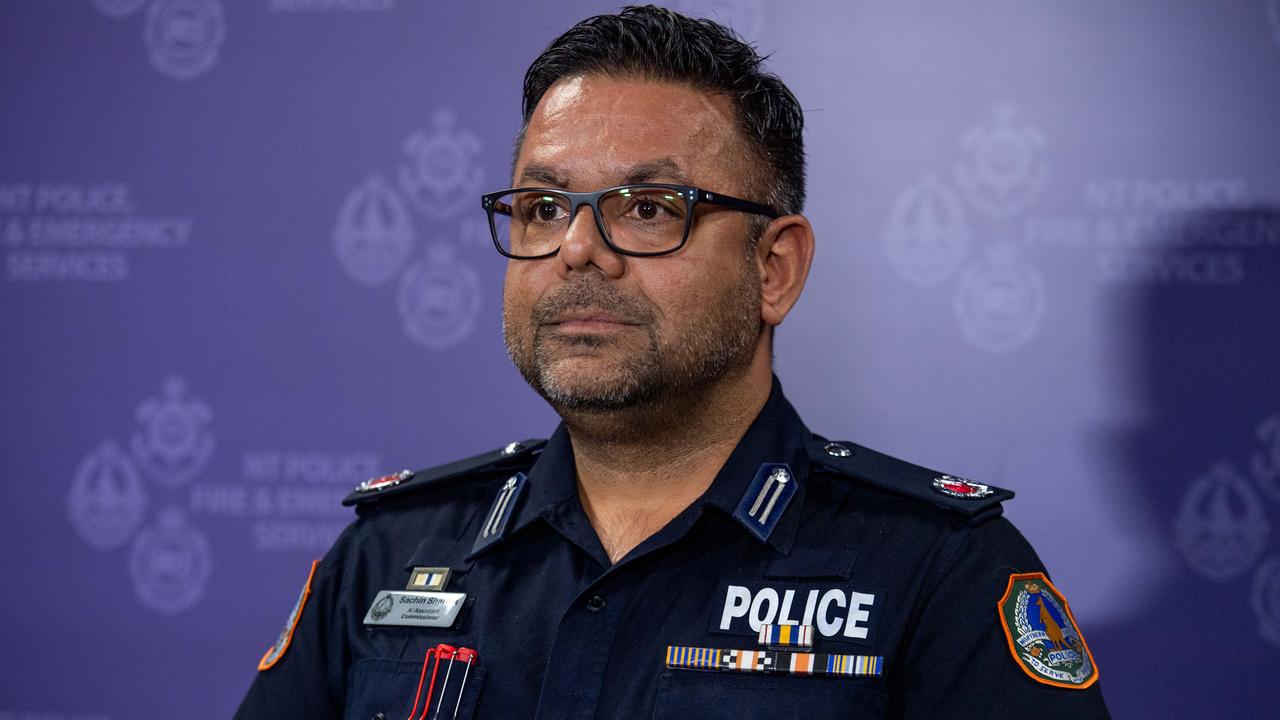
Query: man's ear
[(783, 256)]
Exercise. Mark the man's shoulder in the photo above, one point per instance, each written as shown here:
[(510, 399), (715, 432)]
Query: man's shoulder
[(896, 478), (511, 458)]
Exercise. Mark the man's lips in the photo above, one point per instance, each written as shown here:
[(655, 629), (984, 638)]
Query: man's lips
[(587, 320)]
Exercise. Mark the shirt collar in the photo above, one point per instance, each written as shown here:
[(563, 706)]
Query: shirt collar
[(776, 436)]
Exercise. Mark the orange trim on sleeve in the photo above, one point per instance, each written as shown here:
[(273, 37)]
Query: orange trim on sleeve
[(276, 651)]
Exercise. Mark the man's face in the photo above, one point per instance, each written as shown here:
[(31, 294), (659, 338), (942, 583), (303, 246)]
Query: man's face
[(594, 330)]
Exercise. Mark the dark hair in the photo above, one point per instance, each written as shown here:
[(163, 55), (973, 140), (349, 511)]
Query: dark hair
[(653, 43)]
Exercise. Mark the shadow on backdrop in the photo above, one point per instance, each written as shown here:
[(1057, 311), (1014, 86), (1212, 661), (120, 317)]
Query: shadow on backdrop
[(1203, 302)]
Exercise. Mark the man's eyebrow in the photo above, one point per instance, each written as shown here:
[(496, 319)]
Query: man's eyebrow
[(665, 168), (661, 169), (543, 174)]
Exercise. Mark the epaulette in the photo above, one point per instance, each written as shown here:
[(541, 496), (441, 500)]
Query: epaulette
[(514, 456), (969, 498)]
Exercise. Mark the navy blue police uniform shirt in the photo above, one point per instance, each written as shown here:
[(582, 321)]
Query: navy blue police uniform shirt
[(923, 600)]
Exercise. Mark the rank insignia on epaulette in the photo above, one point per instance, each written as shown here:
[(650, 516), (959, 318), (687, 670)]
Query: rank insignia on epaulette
[(1042, 633), (384, 482), (766, 499), (501, 512), (961, 488)]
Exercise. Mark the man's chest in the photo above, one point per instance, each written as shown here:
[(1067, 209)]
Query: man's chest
[(672, 632)]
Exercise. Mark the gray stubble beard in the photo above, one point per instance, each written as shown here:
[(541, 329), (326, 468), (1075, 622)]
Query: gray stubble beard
[(715, 343)]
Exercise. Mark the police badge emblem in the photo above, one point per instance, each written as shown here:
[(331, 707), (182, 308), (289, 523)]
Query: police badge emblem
[(382, 607), (1042, 633)]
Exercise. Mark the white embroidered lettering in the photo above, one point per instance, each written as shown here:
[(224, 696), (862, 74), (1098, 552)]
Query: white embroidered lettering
[(736, 601), (826, 625), (857, 615), (767, 596)]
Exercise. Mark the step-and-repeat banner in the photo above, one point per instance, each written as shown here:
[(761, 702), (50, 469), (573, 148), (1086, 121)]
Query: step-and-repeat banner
[(243, 267)]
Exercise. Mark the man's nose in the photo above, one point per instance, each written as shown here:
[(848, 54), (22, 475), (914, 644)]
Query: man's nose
[(584, 247)]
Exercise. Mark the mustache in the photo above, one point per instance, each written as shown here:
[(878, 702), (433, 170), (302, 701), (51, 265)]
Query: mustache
[(591, 293)]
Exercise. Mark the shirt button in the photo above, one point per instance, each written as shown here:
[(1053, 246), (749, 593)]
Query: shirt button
[(596, 603)]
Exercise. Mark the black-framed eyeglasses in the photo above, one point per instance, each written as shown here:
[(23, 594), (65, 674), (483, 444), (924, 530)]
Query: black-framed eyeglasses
[(644, 219)]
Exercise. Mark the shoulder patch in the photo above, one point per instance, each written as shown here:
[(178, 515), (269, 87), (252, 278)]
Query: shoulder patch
[(973, 499), (1043, 635), (516, 456), (276, 651)]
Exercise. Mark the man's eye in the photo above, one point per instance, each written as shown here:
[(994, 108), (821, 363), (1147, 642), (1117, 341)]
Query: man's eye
[(653, 208), (545, 210), (647, 209)]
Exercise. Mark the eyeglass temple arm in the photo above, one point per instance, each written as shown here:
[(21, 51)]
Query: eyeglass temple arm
[(737, 204)]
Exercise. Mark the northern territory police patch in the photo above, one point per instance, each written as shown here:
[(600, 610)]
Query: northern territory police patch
[(276, 651), (1043, 636)]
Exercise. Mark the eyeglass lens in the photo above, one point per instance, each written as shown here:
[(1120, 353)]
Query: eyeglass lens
[(643, 220)]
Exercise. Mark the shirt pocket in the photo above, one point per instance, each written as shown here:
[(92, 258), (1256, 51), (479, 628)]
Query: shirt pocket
[(758, 696), (385, 690)]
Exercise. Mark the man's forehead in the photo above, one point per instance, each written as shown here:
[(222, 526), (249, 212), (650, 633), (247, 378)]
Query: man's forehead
[(588, 129)]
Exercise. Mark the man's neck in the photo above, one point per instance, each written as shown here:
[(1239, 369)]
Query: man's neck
[(639, 470)]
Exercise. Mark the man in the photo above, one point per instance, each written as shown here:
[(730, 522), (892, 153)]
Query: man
[(682, 546)]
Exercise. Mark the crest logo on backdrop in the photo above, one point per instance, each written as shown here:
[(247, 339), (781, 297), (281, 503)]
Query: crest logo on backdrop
[(928, 234), (439, 299), (1004, 171), (183, 37), (999, 299), (172, 442), (1222, 527), (374, 234), (170, 563), (155, 497), (107, 498), (438, 296), (169, 559), (983, 228), (439, 173)]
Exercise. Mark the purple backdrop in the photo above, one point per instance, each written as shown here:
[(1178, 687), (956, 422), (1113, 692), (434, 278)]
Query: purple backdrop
[(244, 268)]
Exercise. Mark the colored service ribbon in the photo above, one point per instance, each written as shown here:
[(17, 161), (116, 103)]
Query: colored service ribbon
[(774, 661)]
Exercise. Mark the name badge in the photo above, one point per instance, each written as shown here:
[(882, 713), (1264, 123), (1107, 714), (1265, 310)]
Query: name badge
[(415, 608)]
